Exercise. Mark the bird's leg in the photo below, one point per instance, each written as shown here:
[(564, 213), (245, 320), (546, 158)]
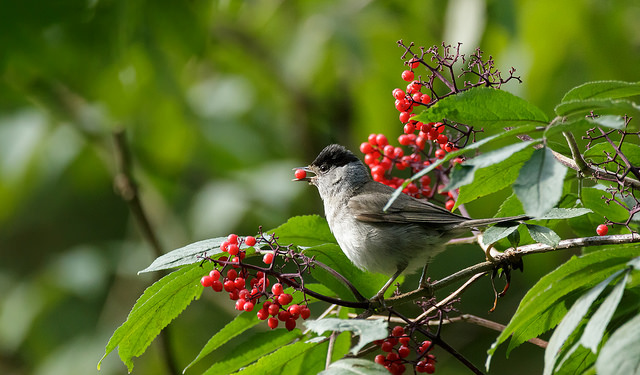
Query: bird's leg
[(380, 295), (423, 278)]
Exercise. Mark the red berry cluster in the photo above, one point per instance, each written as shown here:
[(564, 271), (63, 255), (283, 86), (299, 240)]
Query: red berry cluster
[(395, 360), (382, 158), (235, 283)]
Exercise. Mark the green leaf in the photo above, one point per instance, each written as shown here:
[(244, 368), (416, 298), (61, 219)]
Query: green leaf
[(564, 213), (544, 304), (234, 328), (592, 198), (310, 230), (490, 158), (539, 184), (186, 255), (484, 107), (580, 124), (543, 235), (594, 331), (497, 232), (493, 178), (577, 361), (621, 353), (155, 309), (571, 321), (368, 330), (354, 366), (279, 358), (586, 106), (603, 90), (262, 344)]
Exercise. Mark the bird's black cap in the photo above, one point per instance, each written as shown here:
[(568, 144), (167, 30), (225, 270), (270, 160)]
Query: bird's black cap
[(334, 156)]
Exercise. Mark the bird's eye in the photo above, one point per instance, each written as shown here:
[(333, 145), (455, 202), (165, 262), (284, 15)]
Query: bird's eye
[(324, 168)]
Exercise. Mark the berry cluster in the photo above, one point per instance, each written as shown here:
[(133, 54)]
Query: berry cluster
[(382, 158), (276, 307), (395, 360)]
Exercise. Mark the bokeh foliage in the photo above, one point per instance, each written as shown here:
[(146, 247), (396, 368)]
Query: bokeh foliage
[(219, 100)]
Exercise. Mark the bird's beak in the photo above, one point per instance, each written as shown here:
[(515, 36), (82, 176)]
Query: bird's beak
[(306, 178)]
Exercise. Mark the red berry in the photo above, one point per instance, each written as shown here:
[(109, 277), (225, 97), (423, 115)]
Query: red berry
[(404, 139), (414, 63), (430, 368), (366, 148), (267, 258), (223, 246), (299, 174), (290, 324), (442, 139), (398, 94), (273, 309), (449, 204), (440, 153), (402, 105), (305, 312), (250, 240), (380, 359), (233, 249), (372, 139), (217, 286), (404, 340), (233, 239), (386, 346), (262, 314), (404, 117), (602, 230), (232, 274), (206, 281), (407, 75), (381, 140), (243, 293), (272, 323), (403, 351), (235, 260), (294, 309), (417, 97), (425, 99), (229, 286), (214, 275), (409, 128), (285, 299), (248, 306), (239, 283), (397, 331), (391, 357), (276, 289), (240, 304)]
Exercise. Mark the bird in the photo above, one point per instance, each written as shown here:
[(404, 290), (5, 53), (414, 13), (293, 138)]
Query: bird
[(401, 238)]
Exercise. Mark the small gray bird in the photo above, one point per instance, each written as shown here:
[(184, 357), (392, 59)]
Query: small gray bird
[(403, 238)]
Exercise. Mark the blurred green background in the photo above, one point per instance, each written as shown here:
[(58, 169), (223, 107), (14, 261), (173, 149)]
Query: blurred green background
[(219, 100)]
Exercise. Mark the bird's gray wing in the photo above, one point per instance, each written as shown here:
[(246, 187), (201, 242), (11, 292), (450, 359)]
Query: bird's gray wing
[(368, 203)]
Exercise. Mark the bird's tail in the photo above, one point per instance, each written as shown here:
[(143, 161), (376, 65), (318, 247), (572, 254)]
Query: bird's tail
[(483, 222)]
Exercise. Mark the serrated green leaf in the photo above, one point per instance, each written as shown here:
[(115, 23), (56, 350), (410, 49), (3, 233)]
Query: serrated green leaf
[(621, 353), (234, 328), (539, 184), (594, 331), (564, 213), (154, 310), (495, 157), (497, 232), (262, 343), (544, 304), (592, 198), (578, 361), (603, 90), (354, 366), (279, 358), (368, 330), (580, 124), (571, 321), (484, 107), (308, 230), (543, 235), (586, 106), (493, 178), (186, 255)]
